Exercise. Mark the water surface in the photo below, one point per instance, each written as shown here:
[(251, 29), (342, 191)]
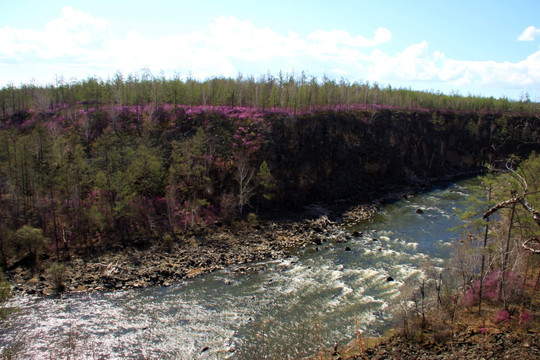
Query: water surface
[(270, 309)]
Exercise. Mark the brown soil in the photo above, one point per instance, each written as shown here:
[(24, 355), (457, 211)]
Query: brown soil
[(472, 345)]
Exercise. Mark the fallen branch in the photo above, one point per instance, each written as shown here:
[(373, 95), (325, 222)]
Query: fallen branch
[(532, 241), (527, 205), (519, 199)]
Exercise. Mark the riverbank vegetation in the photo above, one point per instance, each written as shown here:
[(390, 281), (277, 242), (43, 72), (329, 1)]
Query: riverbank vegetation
[(485, 303)]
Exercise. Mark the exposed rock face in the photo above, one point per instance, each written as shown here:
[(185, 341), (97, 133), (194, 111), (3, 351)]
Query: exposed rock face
[(339, 154)]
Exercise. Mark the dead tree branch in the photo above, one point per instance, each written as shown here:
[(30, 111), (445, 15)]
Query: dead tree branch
[(529, 245), (519, 199)]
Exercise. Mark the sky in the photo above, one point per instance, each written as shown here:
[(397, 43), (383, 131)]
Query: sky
[(473, 47)]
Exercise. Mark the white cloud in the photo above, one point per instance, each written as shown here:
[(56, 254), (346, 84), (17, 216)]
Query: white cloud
[(529, 34), (339, 71), (76, 35), (341, 46), (79, 39), (417, 64), (335, 38), (491, 73), (241, 39), (78, 44), (413, 63)]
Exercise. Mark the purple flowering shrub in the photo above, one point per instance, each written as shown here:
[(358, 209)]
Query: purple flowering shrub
[(501, 316), (525, 318), (491, 288)]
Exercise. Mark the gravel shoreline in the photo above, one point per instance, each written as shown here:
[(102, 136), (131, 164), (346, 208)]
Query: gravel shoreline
[(190, 255)]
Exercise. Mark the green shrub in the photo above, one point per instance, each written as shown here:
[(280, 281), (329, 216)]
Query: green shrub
[(30, 242), (57, 277), (252, 219), (5, 293), (168, 242)]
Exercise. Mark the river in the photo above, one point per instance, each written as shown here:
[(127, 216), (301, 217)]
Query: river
[(272, 309)]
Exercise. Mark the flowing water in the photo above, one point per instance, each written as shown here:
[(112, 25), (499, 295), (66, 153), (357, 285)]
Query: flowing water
[(271, 309)]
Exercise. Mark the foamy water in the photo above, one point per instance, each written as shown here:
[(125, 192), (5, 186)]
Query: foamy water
[(276, 309)]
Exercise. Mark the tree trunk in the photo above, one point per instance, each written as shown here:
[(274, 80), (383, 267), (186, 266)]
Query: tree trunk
[(502, 292), (54, 225), (480, 291)]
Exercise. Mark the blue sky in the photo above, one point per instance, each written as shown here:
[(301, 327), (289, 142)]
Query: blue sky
[(489, 48)]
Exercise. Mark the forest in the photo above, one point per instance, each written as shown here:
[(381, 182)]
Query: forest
[(294, 92), (128, 161)]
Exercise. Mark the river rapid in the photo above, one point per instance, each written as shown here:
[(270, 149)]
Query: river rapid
[(271, 309)]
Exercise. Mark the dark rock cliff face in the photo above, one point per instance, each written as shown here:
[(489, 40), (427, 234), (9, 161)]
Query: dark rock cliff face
[(332, 155)]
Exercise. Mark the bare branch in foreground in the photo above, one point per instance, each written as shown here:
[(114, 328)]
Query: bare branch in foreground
[(519, 199)]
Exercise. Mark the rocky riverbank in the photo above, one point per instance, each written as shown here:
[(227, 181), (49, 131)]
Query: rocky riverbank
[(470, 345), (188, 256), (196, 253)]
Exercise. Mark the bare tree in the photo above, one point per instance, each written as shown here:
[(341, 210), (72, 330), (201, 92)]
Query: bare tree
[(244, 178), (518, 198)]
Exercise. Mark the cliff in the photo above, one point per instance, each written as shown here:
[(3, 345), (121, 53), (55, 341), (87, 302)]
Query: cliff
[(339, 154), (109, 175)]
